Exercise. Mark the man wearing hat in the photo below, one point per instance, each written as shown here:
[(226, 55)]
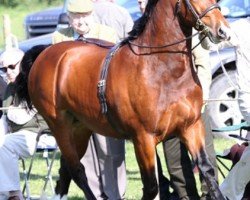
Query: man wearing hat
[(101, 158), (81, 20)]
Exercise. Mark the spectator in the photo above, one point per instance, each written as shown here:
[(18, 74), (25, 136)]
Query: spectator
[(108, 178), (18, 138), (3, 86), (107, 12), (81, 20), (242, 49), (234, 185), (142, 5)]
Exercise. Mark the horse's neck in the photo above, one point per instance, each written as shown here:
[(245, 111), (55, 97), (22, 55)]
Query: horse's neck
[(163, 28)]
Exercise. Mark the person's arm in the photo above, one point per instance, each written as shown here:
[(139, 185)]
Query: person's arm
[(56, 37), (202, 65), (63, 34)]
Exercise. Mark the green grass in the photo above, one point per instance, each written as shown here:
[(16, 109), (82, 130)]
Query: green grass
[(18, 14), (134, 185)]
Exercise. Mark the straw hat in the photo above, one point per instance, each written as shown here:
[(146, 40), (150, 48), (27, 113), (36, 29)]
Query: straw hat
[(11, 57), (80, 6)]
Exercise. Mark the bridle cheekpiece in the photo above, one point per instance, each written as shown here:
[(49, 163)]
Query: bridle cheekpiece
[(199, 25)]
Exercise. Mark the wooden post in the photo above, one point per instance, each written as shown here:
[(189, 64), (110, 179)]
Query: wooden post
[(9, 38)]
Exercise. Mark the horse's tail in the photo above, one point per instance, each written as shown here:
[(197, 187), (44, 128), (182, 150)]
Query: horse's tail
[(21, 82)]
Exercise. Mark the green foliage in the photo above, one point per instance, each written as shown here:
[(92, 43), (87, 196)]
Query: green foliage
[(9, 3), (15, 3), (17, 15)]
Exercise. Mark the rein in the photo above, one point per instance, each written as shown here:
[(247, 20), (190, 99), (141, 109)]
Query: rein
[(98, 42), (164, 46), (199, 25)]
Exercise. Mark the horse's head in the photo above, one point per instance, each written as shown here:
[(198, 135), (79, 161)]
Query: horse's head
[(204, 16)]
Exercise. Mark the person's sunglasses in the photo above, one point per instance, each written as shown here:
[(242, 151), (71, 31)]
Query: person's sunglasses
[(12, 67)]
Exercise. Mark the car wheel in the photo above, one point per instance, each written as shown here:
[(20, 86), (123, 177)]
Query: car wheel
[(224, 113)]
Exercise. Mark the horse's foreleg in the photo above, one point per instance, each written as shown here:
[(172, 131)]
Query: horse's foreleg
[(194, 139), (73, 141), (145, 153)]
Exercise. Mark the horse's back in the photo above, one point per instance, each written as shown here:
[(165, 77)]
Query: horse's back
[(66, 71)]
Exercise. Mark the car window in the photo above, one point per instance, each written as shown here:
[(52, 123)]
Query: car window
[(235, 8)]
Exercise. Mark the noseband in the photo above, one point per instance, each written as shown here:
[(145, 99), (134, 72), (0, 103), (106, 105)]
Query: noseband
[(199, 25)]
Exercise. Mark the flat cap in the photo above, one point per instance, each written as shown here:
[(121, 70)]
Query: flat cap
[(80, 6)]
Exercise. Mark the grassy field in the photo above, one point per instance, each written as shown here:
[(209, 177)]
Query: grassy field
[(134, 186), (18, 14)]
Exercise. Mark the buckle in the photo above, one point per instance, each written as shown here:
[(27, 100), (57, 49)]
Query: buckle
[(101, 83)]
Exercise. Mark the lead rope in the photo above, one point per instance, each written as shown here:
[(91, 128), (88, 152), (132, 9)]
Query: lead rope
[(230, 81)]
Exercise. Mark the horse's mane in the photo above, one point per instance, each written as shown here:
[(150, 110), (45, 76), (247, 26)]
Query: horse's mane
[(140, 23), (21, 82)]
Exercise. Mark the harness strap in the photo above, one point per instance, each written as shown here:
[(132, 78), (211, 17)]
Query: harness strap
[(214, 6), (103, 76), (98, 42)]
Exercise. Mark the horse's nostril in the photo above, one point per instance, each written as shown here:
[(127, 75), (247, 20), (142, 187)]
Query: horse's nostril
[(223, 34)]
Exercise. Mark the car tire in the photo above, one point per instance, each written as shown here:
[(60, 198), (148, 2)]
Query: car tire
[(224, 113)]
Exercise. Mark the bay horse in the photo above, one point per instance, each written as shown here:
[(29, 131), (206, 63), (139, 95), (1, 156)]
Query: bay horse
[(149, 91)]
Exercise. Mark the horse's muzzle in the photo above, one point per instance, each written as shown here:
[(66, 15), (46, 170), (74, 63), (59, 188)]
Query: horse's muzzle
[(224, 33)]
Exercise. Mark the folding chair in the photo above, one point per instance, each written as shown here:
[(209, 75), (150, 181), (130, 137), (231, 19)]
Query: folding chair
[(225, 155), (46, 144), (238, 127)]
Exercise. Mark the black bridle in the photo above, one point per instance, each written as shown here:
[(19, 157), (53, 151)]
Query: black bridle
[(199, 25)]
